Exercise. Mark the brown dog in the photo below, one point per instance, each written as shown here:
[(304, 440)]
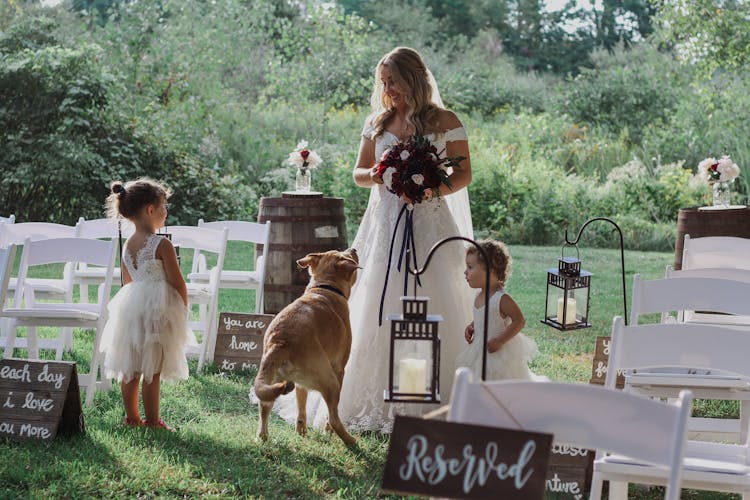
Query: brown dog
[(308, 342)]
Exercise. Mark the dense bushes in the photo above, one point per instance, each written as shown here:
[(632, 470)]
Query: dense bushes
[(212, 100)]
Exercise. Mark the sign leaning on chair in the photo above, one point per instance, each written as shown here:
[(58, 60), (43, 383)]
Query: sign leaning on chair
[(39, 399), (449, 459), (239, 341)]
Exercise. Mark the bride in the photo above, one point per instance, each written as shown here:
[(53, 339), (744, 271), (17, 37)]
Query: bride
[(405, 102)]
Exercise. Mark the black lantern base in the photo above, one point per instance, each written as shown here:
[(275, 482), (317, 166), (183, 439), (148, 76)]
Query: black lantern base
[(578, 325), (407, 397)]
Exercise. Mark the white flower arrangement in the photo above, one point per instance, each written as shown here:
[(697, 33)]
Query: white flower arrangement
[(722, 170), (302, 157)]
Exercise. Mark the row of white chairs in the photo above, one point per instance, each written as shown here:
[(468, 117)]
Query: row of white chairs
[(637, 439), (75, 251)]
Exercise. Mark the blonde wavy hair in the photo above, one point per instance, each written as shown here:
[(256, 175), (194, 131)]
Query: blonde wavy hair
[(412, 77)]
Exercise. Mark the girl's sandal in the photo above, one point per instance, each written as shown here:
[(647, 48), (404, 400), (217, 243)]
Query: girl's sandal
[(133, 423), (160, 425)]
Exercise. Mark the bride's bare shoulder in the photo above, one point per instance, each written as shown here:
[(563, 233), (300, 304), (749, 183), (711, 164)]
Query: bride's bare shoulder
[(448, 120)]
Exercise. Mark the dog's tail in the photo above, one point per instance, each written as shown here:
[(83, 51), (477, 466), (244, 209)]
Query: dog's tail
[(264, 389)]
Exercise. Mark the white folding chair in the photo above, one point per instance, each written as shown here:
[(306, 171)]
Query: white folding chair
[(249, 279), (667, 296), (204, 296), (581, 415), (44, 288), (8, 220), (85, 275), (719, 353), (29, 313)]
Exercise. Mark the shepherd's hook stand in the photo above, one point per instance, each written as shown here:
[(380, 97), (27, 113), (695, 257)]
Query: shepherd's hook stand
[(418, 272), (622, 256)]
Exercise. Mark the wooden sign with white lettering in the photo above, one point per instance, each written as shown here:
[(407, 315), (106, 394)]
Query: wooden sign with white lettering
[(239, 341), (448, 459), (39, 399), (569, 472), (601, 361)]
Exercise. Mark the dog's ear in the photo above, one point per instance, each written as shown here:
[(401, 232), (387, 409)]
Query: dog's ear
[(308, 260), (347, 264)]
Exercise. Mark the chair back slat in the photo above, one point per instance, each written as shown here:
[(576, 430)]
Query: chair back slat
[(680, 345), (63, 250), (708, 294), (17, 233), (576, 414), (103, 228), (716, 251), (198, 238), (250, 232)]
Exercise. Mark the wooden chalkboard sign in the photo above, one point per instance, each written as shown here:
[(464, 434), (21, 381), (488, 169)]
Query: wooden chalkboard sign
[(239, 341), (601, 360), (448, 459), (569, 471), (39, 399)]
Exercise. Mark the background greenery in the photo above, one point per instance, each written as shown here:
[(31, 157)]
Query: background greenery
[(571, 114)]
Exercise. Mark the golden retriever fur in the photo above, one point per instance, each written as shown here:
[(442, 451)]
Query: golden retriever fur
[(308, 342)]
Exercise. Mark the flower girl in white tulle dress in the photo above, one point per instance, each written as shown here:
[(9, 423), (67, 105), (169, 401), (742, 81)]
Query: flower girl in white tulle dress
[(508, 350), (146, 333)]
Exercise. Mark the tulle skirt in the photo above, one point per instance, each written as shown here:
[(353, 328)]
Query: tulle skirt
[(510, 362), (146, 333)]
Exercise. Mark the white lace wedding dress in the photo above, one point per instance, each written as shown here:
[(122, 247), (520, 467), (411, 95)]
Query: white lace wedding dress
[(361, 406)]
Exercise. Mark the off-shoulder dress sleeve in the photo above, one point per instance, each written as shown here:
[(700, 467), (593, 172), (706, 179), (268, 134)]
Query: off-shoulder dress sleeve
[(456, 134), (368, 132)]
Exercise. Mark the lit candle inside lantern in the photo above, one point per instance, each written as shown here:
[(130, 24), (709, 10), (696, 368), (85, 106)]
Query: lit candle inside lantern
[(412, 375), (570, 311)]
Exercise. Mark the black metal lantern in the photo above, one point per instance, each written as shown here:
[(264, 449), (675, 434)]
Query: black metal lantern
[(568, 288), (414, 375)]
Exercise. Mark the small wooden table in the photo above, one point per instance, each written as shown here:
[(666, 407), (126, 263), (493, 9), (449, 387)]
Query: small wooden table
[(715, 222)]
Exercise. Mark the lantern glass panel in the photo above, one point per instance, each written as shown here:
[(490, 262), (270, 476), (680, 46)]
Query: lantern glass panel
[(412, 365), (567, 300)]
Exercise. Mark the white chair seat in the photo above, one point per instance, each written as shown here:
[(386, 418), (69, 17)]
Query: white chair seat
[(96, 274), (44, 312), (229, 279), (198, 292), (42, 285), (690, 464), (673, 379)]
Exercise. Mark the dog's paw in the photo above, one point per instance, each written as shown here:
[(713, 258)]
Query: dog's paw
[(288, 387), (301, 428)]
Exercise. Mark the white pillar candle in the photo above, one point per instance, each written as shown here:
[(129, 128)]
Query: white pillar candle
[(412, 375), (570, 311)]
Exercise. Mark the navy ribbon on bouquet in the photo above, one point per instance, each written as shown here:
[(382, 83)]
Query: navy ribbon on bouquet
[(407, 246)]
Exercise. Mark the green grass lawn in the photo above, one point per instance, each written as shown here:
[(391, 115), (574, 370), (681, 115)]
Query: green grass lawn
[(215, 453)]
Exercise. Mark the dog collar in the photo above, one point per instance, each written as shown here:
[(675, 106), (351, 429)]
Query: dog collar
[(331, 288)]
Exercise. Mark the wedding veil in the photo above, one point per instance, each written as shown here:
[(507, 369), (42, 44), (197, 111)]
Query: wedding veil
[(458, 202)]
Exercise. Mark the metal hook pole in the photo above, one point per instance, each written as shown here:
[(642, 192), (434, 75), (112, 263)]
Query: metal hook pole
[(622, 256), (417, 272)]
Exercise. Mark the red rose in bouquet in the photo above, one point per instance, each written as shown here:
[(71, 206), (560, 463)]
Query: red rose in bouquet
[(414, 169)]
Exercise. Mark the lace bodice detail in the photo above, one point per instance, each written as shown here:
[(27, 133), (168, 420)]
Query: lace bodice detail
[(145, 266), (495, 323)]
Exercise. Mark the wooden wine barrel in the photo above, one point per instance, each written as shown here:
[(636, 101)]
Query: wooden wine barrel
[(700, 223), (300, 224)]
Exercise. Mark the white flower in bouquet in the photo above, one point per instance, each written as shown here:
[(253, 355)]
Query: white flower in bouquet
[(388, 177), (302, 157), (417, 179), (722, 170), (727, 169), (404, 155)]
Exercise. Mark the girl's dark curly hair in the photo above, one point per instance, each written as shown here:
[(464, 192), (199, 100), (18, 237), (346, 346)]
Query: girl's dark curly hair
[(498, 255), (127, 199)]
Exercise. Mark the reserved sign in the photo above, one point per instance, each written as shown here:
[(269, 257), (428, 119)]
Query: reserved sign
[(448, 459), (239, 341), (39, 399)]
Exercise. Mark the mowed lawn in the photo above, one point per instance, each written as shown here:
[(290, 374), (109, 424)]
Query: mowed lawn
[(215, 452)]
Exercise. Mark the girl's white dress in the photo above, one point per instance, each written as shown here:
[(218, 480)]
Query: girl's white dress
[(511, 361), (361, 405), (147, 330)]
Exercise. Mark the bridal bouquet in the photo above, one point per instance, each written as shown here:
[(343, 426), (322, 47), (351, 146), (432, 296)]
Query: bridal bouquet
[(721, 170), (414, 169)]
